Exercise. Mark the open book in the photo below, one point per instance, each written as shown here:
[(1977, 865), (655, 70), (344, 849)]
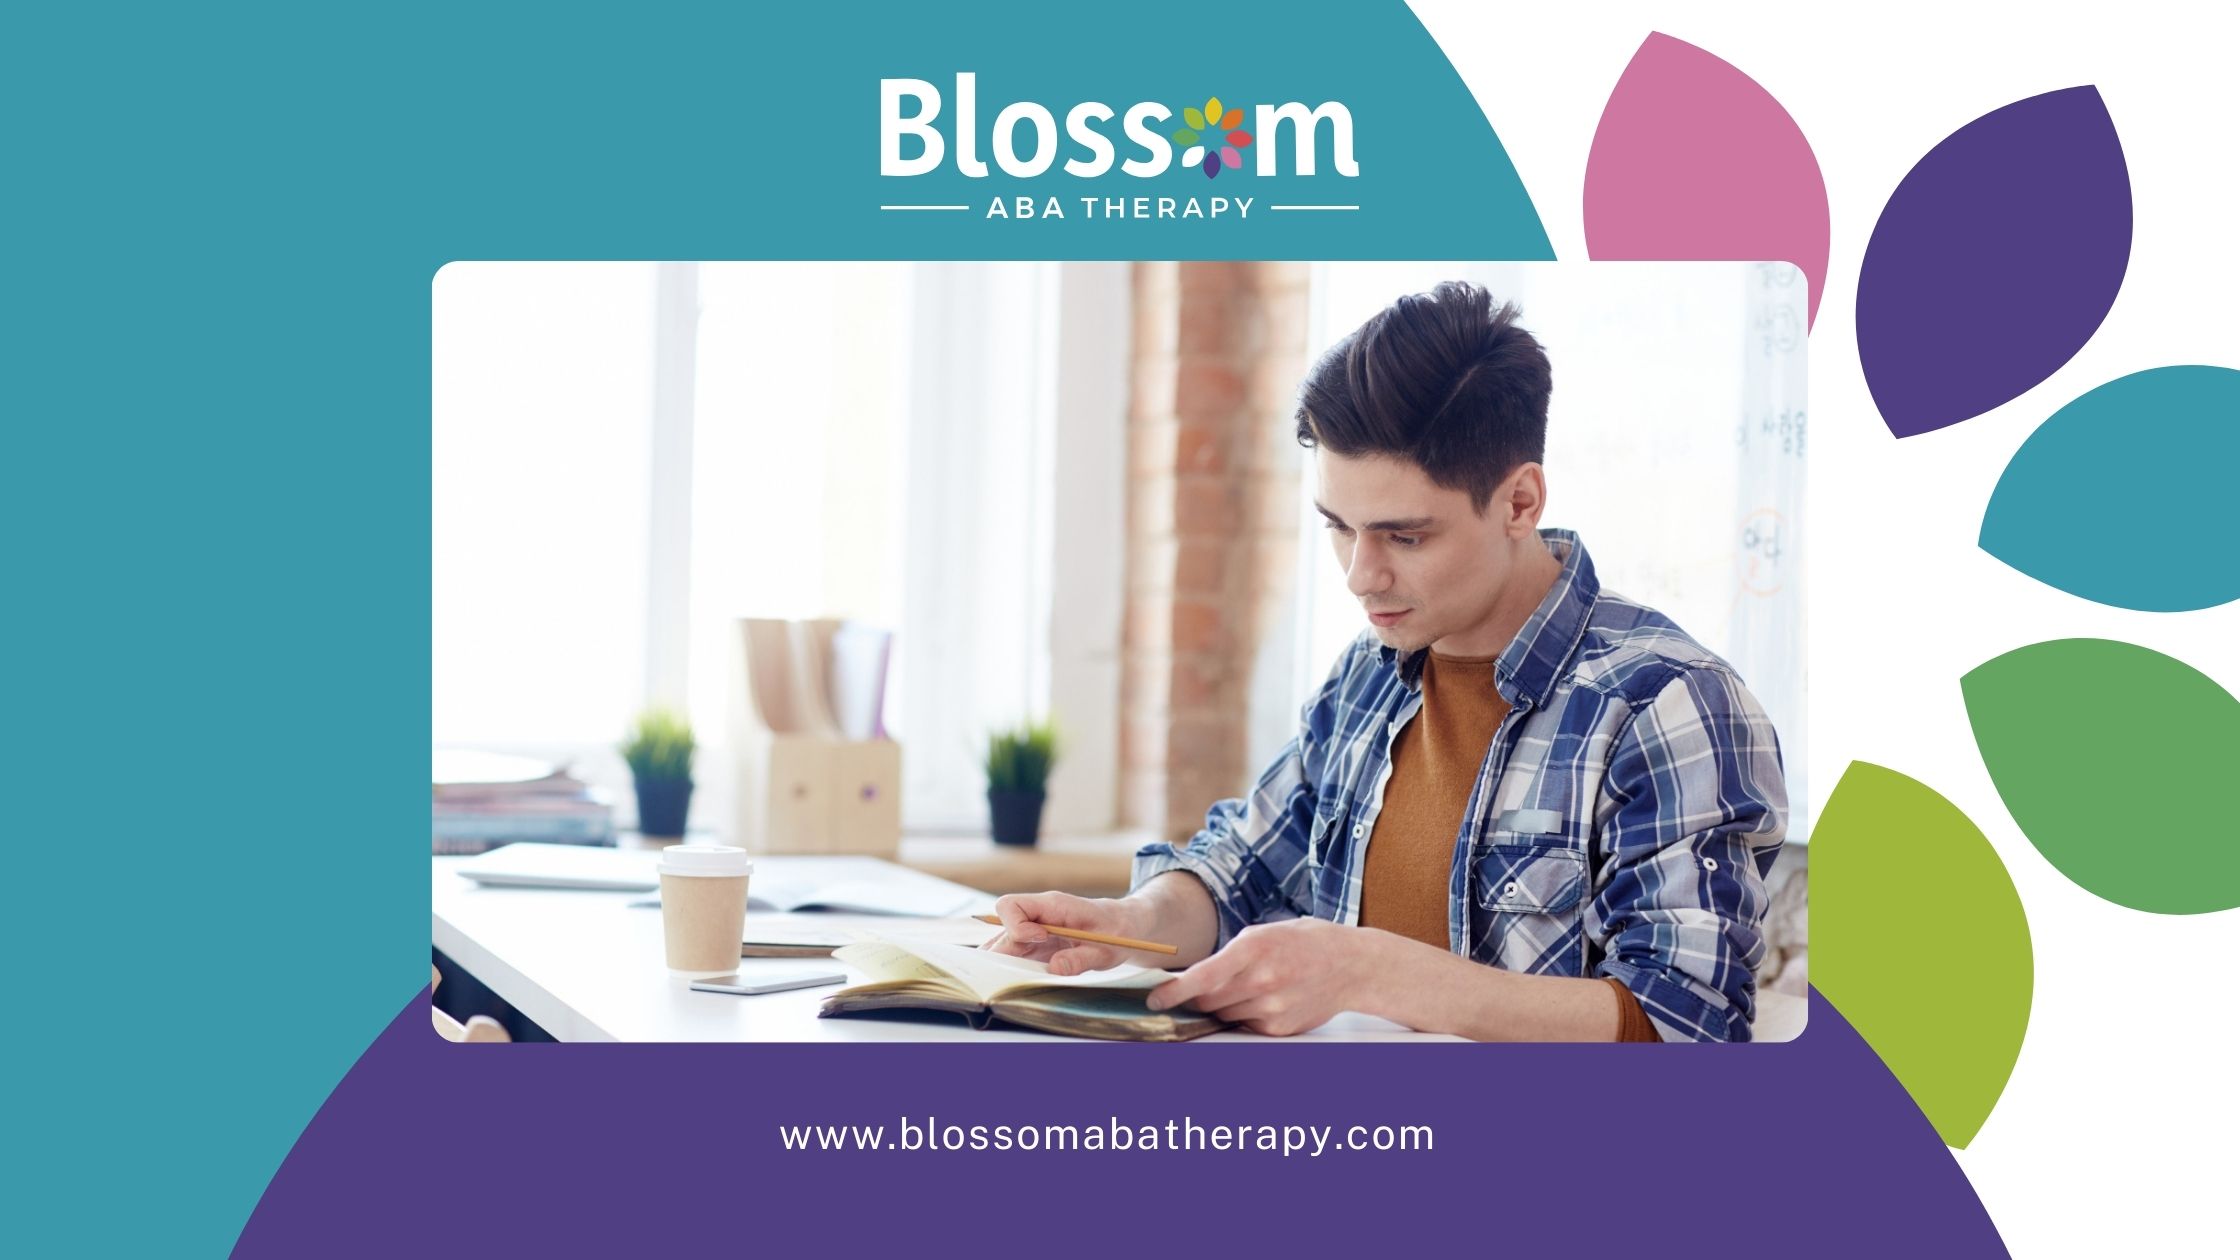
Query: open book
[(984, 986)]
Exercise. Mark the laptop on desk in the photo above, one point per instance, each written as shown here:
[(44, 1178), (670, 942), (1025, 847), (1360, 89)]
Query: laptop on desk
[(528, 865)]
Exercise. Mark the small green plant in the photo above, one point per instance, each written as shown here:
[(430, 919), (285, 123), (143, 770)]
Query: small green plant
[(660, 747), (1019, 760)]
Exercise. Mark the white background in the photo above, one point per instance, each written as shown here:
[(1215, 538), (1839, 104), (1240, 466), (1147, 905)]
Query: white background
[(2114, 1134)]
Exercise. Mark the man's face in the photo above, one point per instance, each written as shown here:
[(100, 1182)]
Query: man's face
[(1425, 566)]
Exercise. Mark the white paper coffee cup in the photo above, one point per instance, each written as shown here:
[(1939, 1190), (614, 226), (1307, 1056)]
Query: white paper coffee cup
[(703, 907)]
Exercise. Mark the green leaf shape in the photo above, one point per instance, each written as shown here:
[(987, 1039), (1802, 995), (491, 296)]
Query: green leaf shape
[(1183, 135), (2114, 760), (1918, 937)]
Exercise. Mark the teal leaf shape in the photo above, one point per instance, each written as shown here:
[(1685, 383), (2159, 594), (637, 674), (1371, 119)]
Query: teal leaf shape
[(2170, 435), (2115, 761), (1904, 887)]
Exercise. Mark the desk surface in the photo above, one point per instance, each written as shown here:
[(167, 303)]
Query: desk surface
[(1084, 865), (586, 966)]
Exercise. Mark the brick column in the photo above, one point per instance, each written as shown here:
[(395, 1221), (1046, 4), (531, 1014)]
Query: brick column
[(1212, 524)]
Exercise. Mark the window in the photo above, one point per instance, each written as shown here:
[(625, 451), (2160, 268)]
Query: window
[(798, 427), (542, 385), (630, 457)]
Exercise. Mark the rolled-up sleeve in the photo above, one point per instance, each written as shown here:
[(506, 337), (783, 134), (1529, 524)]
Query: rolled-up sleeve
[(1252, 854), (1692, 815)]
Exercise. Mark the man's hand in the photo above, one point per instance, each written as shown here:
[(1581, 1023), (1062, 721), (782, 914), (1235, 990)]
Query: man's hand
[(1024, 915), (1281, 978)]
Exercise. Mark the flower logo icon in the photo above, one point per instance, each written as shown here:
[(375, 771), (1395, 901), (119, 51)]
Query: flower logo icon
[(1209, 153)]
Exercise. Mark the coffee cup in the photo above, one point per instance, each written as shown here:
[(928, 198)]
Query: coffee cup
[(703, 907)]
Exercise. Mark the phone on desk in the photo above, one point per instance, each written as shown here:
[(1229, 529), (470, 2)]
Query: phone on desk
[(768, 981)]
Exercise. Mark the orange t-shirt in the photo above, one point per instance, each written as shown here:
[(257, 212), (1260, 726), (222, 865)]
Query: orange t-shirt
[(1435, 763)]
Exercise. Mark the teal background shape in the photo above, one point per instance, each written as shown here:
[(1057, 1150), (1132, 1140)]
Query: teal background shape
[(2124, 496), (216, 490)]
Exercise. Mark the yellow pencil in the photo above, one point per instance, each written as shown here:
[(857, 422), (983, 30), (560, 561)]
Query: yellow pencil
[(1149, 947)]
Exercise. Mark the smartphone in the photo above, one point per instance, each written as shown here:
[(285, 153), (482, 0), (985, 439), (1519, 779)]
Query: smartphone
[(768, 981)]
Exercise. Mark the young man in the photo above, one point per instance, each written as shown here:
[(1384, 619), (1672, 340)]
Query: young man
[(1521, 807)]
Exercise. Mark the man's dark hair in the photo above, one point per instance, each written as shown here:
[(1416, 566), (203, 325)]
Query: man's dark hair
[(1444, 380)]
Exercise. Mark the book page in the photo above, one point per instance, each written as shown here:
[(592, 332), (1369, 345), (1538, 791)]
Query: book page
[(886, 960), (987, 973)]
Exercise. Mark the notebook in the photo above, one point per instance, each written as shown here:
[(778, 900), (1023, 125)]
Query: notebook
[(984, 987)]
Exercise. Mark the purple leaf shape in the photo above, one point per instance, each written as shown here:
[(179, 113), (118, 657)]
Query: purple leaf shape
[(1994, 261), (1213, 165)]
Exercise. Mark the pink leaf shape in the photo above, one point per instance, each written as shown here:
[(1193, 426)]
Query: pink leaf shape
[(1693, 160)]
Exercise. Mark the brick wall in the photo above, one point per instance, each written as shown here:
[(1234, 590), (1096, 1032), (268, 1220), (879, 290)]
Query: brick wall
[(1213, 533)]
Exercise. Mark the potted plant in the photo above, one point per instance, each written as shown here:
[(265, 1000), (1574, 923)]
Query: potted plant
[(1018, 766), (659, 751)]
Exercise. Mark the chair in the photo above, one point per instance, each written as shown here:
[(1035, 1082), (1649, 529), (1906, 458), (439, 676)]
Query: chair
[(477, 1028), (1781, 1017)]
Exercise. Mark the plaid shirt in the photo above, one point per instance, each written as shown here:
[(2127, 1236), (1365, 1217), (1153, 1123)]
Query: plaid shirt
[(1622, 825)]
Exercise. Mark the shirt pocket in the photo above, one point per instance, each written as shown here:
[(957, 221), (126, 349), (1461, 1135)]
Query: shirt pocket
[(1326, 832), (1326, 856), (1519, 876)]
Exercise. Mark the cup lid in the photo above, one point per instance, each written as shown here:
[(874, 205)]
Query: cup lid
[(705, 859)]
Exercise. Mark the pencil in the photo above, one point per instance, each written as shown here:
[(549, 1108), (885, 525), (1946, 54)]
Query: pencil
[(1149, 947)]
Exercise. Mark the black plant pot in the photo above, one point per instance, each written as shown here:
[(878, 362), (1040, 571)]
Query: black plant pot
[(1015, 817), (662, 806)]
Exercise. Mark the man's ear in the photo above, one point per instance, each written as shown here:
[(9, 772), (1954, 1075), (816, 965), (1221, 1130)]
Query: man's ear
[(1521, 499)]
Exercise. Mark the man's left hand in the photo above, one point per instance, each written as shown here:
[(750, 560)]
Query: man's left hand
[(1280, 978)]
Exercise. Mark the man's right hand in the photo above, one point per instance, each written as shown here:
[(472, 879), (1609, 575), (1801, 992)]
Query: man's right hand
[(1024, 915)]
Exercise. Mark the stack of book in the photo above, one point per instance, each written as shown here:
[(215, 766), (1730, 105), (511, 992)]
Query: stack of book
[(483, 800)]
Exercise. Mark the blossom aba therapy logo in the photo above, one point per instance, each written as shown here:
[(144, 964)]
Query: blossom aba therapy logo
[(922, 133)]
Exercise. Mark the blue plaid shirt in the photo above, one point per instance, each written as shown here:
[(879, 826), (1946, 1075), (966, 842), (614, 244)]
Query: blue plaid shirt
[(1623, 822)]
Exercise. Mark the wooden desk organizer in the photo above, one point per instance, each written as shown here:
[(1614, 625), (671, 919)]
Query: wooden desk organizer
[(804, 787)]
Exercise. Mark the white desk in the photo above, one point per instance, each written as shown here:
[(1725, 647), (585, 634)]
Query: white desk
[(587, 966)]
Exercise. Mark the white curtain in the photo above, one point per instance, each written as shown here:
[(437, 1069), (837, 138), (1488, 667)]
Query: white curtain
[(1767, 627)]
